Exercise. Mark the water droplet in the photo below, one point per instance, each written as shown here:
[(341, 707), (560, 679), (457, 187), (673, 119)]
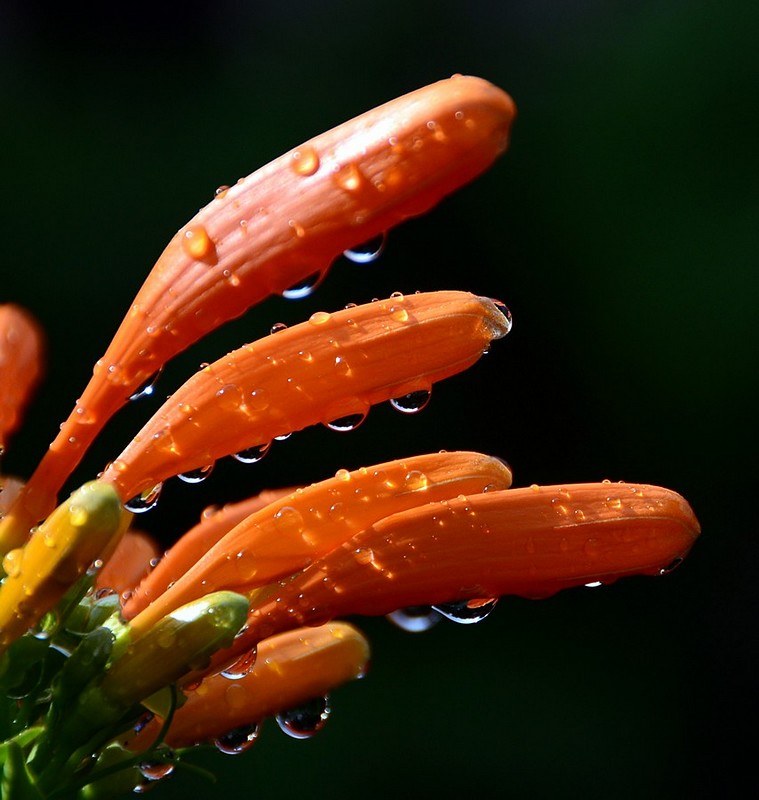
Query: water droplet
[(241, 667), (415, 480), (415, 619), (252, 455), (196, 475), (12, 562), (467, 612), (277, 327), (593, 584), (367, 252), (197, 243), (144, 501), (347, 423), (145, 390), (283, 437), (238, 740), (305, 161), (221, 191), (305, 720), (319, 317), (156, 770), (349, 178), (412, 402), (504, 309), (303, 288), (674, 564)]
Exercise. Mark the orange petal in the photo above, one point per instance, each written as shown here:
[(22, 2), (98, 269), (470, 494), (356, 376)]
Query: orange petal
[(332, 366), (289, 670), (193, 545), (21, 356), (273, 229), (287, 535), (530, 542), (129, 563)]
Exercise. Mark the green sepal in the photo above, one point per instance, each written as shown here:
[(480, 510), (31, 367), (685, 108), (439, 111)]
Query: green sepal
[(17, 783)]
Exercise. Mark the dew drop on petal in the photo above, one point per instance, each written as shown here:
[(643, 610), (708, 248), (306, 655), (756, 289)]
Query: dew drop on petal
[(347, 423), (305, 720), (593, 584), (277, 327), (467, 612), (144, 501), (238, 740), (412, 402), (367, 252), (415, 619), (146, 389), (196, 475), (305, 161), (303, 288), (196, 242), (252, 455), (156, 770)]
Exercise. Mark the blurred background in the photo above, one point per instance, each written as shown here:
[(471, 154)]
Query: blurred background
[(620, 228)]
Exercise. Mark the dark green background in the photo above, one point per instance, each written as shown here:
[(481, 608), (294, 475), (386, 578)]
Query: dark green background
[(621, 228)]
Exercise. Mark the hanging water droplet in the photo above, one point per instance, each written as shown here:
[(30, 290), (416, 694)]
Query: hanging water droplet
[(467, 612), (283, 437), (412, 402), (196, 475), (156, 770), (367, 252), (593, 584), (347, 423), (252, 455), (305, 720), (504, 309), (144, 501), (238, 740), (277, 327), (241, 667), (147, 388), (674, 564), (303, 288), (415, 619)]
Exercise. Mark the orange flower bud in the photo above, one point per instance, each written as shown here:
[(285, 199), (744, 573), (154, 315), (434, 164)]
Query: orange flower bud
[(286, 536), (21, 356), (271, 230), (530, 542), (129, 563), (333, 366), (289, 669)]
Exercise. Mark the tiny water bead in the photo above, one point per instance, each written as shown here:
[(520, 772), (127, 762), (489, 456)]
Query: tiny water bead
[(412, 402), (305, 720), (252, 455), (277, 327), (303, 288), (467, 612), (241, 667), (504, 309), (415, 619), (367, 252), (197, 243), (144, 501), (145, 390), (305, 161), (156, 770), (196, 475), (238, 740), (673, 565)]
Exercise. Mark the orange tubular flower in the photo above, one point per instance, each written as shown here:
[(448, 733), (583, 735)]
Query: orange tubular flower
[(130, 562), (272, 230), (289, 669), (21, 349), (530, 542), (332, 367), (286, 536)]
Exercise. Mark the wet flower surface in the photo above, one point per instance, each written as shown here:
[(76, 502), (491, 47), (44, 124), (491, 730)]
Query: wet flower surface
[(116, 660)]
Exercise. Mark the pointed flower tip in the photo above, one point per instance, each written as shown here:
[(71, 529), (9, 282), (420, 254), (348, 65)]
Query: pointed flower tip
[(83, 528)]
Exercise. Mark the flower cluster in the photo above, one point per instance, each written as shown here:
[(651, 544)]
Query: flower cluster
[(115, 661)]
